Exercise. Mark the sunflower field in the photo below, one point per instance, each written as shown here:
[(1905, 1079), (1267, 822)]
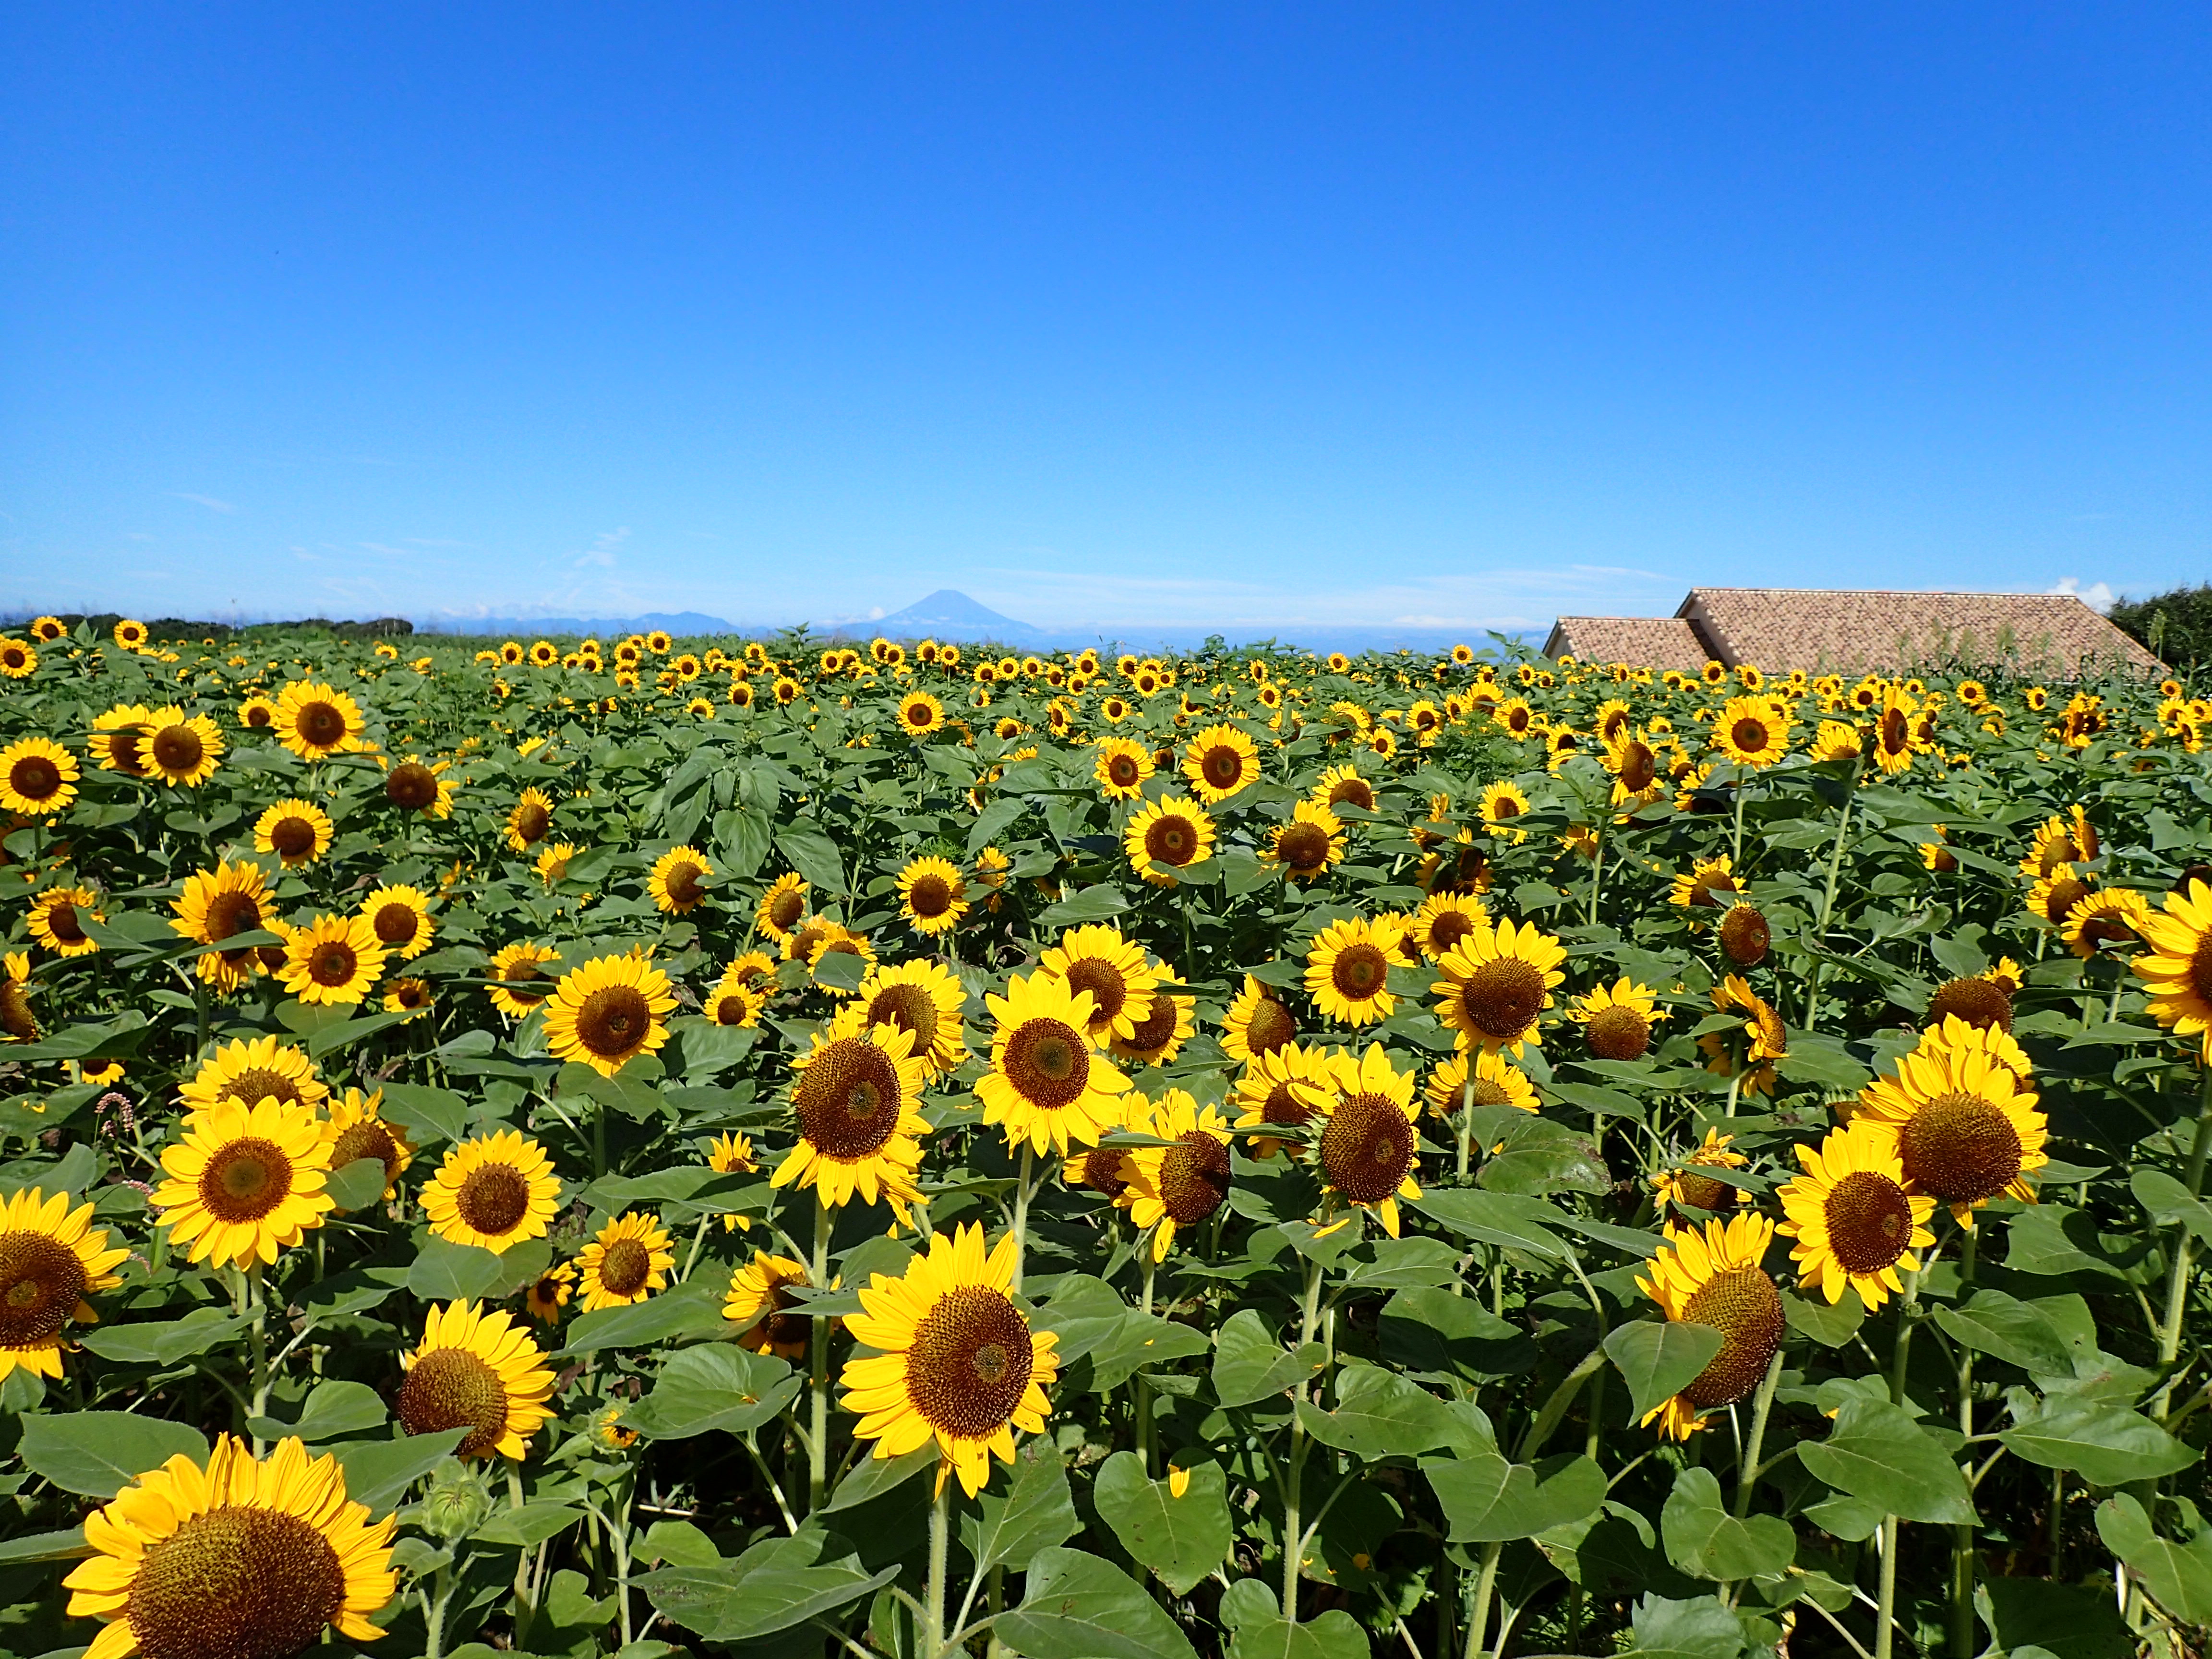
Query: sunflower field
[(641, 1147)]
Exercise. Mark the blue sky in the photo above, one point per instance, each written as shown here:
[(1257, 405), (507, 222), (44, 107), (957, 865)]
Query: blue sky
[(1254, 317)]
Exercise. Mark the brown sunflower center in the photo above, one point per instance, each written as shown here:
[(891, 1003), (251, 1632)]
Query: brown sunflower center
[(849, 1098), (1171, 839), (1194, 1177), (732, 1010), (1981, 1003), (367, 1139), (245, 1180), (15, 1017), (411, 994), (930, 897), (514, 978), (1270, 1026), (1489, 1091), (178, 749), (412, 785), (1745, 935), (41, 1282), (1960, 1148), (1109, 992), (126, 750), (1744, 1307), (785, 909), (1639, 767), (1702, 1192), (1122, 771), (1303, 847), (34, 777), (493, 1198), (1447, 929), (1749, 735), (1618, 1033), (291, 837), (1354, 790), (1501, 999), (969, 1362), (241, 1581), (1156, 1030), (1283, 1106), (614, 1021), (257, 1083), (786, 1329), (231, 913), (531, 821), (625, 1267), (1102, 1172), (61, 922), (2200, 969), (1221, 766), (908, 1008), (452, 1389), (259, 716), (332, 963), (396, 922), (1367, 1148), (320, 724), (1360, 971), (1048, 1062), (685, 883), (1870, 1221), (1894, 733)]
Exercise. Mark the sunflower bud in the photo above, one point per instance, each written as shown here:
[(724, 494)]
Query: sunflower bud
[(456, 1503)]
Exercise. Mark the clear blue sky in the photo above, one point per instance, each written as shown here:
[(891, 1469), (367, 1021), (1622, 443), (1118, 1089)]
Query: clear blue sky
[(1242, 316)]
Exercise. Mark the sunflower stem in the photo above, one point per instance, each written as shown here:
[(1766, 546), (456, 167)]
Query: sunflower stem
[(525, 1612), (1828, 906), (817, 1365), (1962, 1535), (2177, 1286), (1295, 1463), (1885, 1615), (1466, 1116), (1143, 1393), (1021, 1213), (257, 1333), (933, 1641), (1486, 1586), (1747, 1482)]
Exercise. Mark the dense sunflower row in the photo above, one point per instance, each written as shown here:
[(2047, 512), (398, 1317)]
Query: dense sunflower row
[(590, 1147)]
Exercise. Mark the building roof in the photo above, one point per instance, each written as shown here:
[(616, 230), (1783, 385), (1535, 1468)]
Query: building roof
[(1643, 641), (1854, 631)]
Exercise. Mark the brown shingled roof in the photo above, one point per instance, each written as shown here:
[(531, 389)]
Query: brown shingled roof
[(1852, 631), (1643, 641)]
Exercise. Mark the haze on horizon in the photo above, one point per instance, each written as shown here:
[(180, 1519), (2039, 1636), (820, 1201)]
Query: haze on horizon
[(1446, 317)]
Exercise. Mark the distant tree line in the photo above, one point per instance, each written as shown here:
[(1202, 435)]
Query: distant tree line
[(184, 627), (2176, 627)]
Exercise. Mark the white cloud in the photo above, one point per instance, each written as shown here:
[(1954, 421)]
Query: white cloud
[(207, 502), (602, 549), (2098, 596)]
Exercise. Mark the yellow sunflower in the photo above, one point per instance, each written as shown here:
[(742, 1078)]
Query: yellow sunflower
[(252, 1069), (2177, 969), (1496, 983), (357, 1127), (1962, 1125), (625, 1262), (678, 881), (820, 938), (118, 737), (2054, 898), (244, 1182), (316, 721), (2111, 916), (1181, 1185), (332, 961), (759, 1302), (1502, 803), (1169, 834), (956, 1359), (924, 999), (1159, 1036), (51, 1257), (530, 821), (855, 1094), (1114, 971), (477, 1371), (257, 714), (1342, 785), (1257, 1024), (1855, 1224), (419, 786), (1754, 731), (518, 985), (38, 777), (919, 714), (932, 896), (1047, 1085), (1498, 1082), (1221, 761), (2071, 839), (549, 1293), (1368, 1151), (735, 1001), (1691, 1185), (241, 1557), (181, 750), (1445, 919), (1617, 1018), (295, 831), (17, 1022), (1348, 968), (18, 659), (783, 908), (553, 861), (1713, 1277), (1893, 730), (608, 1012), (493, 1191), (58, 917), (1709, 883), (1307, 845), (220, 904), (1122, 768), (400, 916)]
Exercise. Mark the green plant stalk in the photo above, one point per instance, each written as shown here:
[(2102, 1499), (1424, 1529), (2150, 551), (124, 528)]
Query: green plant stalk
[(817, 1367), (257, 1333), (2176, 1287), (1597, 874), (525, 1611), (1466, 1116), (933, 1640), (1140, 1390), (1295, 1463), (618, 1536), (1961, 1626), (1886, 1608), (1748, 1477), (1485, 1590), (1021, 1212), (1828, 905)]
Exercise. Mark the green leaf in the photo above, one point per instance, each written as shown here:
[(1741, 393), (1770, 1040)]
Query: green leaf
[(2169, 1201), (1829, 1324), (379, 1472), (1432, 1330), (1035, 1511), (330, 1038), (2178, 1576), (358, 1185), (2071, 1622), (1704, 1539), (1511, 1220), (872, 1477), (2104, 1444), (1331, 1634), (2019, 1333), (1181, 1539), (1100, 903), (714, 1385), (446, 1272), (1079, 1606), (1562, 1166), (741, 1602), (1878, 1454), (97, 1454), (1658, 1359), (166, 1342), (529, 1526), (68, 1545), (428, 1114), (813, 854), (1378, 1415), (692, 1311), (333, 1409), (1486, 1499), (357, 1290), (1698, 1629), (118, 1039), (1140, 1342), (1250, 1365)]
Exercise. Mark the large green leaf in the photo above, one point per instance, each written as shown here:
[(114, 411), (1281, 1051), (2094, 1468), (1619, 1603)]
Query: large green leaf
[(1659, 1358), (2019, 1333), (1378, 1415), (1704, 1539), (379, 1472), (358, 1185), (714, 1385), (758, 1593), (1079, 1606), (1250, 1365), (1035, 1511), (1182, 1538), (166, 1342), (1424, 1329), (1331, 1634), (2178, 1576), (1507, 1219), (1487, 1498), (1140, 1342), (692, 1311), (1698, 1628), (2104, 1444), (2169, 1201), (446, 1272), (332, 1410), (1878, 1453), (97, 1454), (2073, 1622), (813, 854)]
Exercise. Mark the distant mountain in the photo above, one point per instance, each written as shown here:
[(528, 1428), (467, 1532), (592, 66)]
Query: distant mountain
[(951, 615)]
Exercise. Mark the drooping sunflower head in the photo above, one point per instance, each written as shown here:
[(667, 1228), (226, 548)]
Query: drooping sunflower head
[(1496, 983), (933, 894), (1713, 1277), (1257, 1024), (478, 1370), (783, 908), (608, 1011), (1048, 1084), (1855, 1223), (626, 1262), (244, 1182), (1617, 1018), (1369, 1148), (1745, 935), (493, 1191)]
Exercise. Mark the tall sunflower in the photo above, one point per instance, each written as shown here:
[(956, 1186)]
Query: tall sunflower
[(243, 1556), (400, 916), (919, 714), (1368, 1151), (357, 1127), (58, 917), (626, 1261), (51, 1257), (248, 1070), (932, 896), (1122, 768), (218, 905), (782, 908), (1503, 802), (1305, 847), (332, 961), (118, 737), (530, 821), (678, 880), (1257, 1024), (38, 777), (608, 1012), (735, 1001), (1713, 1277), (1498, 1082), (244, 1182), (315, 721), (1754, 731), (1855, 1223), (1765, 1039), (925, 999), (1181, 1185), (1221, 761), (477, 1371), (1445, 919), (295, 831), (956, 1359), (1496, 983), (2177, 969), (1159, 1036), (1113, 969), (1348, 968), (181, 751), (519, 985), (1617, 1018), (1962, 1126), (1166, 835), (1047, 1085), (855, 1094), (493, 1191), (1342, 785), (1708, 884), (759, 1302)]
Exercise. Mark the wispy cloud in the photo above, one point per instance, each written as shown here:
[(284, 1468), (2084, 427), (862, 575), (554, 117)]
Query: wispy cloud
[(207, 502), (603, 549), (2098, 596)]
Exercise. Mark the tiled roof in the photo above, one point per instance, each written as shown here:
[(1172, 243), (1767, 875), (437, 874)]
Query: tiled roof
[(1851, 631), (1642, 642)]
